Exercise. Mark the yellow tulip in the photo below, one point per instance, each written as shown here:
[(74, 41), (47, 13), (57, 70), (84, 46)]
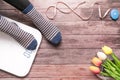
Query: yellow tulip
[(96, 61), (94, 69), (107, 50)]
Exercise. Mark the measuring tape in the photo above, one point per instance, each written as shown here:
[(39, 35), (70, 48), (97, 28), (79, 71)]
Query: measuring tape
[(114, 14)]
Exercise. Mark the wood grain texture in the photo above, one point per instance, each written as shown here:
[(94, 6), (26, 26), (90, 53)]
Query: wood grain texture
[(67, 56), (56, 71), (85, 41), (81, 40)]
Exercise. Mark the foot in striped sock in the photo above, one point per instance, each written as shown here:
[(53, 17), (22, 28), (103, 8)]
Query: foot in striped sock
[(25, 39), (49, 30)]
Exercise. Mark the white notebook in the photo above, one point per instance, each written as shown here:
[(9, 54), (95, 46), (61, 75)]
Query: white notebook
[(14, 58)]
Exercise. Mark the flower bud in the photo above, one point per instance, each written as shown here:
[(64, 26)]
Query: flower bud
[(96, 61), (107, 50), (94, 69), (101, 55)]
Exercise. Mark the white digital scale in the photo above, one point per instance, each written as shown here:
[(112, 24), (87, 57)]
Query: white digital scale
[(14, 58)]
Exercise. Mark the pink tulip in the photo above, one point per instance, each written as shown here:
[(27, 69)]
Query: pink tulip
[(94, 69), (96, 61)]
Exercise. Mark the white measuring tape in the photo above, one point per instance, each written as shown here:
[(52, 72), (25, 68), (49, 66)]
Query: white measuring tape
[(73, 10)]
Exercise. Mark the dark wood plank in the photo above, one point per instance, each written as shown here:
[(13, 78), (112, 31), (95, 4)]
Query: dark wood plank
[(85, 42), (67, 56), (84, 12), (54, 71), (89, 27), (57, 78)]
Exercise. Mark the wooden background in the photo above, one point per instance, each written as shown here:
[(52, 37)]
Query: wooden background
[(81, 40)]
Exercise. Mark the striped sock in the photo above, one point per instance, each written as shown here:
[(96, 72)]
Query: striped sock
[(25, 39), (49, 30)]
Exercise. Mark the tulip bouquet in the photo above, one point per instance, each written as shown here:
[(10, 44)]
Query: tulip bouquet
[(106, 64)]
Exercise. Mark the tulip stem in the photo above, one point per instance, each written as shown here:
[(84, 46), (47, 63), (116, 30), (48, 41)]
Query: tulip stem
[(116, 77), (117, 61), (115, 66), (104, 74)]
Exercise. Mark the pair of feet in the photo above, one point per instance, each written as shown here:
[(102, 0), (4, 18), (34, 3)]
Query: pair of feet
[(27, 40)]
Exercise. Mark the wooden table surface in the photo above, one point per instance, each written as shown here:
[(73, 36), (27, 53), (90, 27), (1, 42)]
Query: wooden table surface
[(81, 40)]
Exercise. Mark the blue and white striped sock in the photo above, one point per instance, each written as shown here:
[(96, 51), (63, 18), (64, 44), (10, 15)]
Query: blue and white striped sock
[(48, 29), (27, 40)]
